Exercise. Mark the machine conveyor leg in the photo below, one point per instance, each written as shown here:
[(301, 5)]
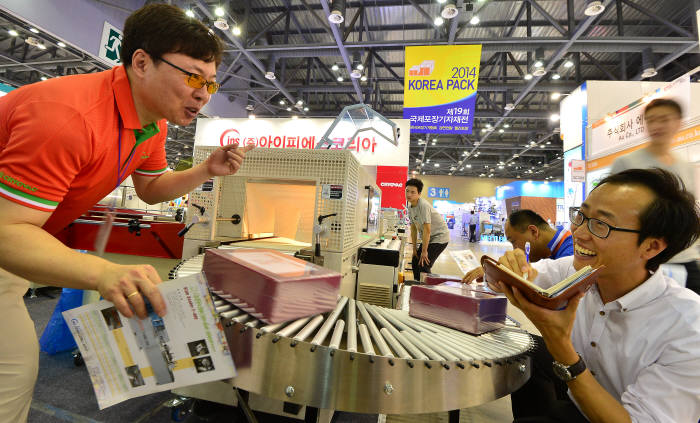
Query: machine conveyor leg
[(242, 397)]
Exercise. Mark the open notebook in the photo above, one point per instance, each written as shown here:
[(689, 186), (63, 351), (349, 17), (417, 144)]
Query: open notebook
[(554, 297)]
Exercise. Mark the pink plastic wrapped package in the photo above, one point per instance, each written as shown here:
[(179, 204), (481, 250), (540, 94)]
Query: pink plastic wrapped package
[(462, 307), (433, 279), (272, 286)]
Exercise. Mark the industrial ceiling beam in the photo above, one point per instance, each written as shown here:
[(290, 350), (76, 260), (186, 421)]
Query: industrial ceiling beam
[(548, 17), (343, 51), (552, 61)]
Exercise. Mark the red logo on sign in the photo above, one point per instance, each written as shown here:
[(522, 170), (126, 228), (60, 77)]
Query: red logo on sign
[(230, 136)]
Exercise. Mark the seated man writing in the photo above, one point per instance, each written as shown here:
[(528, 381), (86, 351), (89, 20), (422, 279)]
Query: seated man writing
[(628, 349), (545, 242)]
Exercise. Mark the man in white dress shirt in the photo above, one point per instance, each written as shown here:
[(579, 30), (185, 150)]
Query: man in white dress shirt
[(628, 349)]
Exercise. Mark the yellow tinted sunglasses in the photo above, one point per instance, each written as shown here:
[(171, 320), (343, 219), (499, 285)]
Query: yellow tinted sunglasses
[(195, 80)]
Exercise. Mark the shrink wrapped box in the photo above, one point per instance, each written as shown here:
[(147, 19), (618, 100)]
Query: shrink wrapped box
[(433, 279), (272, 286), (462, 307)]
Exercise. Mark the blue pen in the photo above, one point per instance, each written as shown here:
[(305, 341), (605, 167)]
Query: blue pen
[(527, 256)]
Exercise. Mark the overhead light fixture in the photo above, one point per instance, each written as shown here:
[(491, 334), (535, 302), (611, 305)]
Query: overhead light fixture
[(363, 78), (282, 103), (251, 116), (438, 21), (236, 30), (306, 109), (648, 68), (356, 74), (337, 12), (516, 155), (60, 44), (554, 117), (335, 67), (437, 165), (219, 11), (594, 8), (556, 95), (539, 72), (289, 109), (500, 131), (43, 78), (270, 75), (538, 64), (360, 66), (556, 76), (339, 79), (34, 30), (474, 20), (449, 11), (221, 23), (250, 107), (441, 1), (13, 32), (527, 76), (488, 126), (469, 166), (568, 64), (505, 125), (548, 143), (300, 102), (542, 145), (41, 46), (189, 13), (509, 106)]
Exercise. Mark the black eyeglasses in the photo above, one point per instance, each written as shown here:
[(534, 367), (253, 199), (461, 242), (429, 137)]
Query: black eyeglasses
[(196, 81), (595, 226)]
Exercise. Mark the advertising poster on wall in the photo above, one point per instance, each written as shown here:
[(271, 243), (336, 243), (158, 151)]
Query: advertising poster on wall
[(573, 191), (440, 86)]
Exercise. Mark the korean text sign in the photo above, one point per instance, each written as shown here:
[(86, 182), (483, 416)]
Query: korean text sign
[(440, 86)]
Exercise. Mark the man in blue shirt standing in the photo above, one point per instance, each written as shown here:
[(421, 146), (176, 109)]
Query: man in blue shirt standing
[(545, 242)]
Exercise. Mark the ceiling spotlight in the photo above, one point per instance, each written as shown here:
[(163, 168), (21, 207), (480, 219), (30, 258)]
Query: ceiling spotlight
[(568, 64), (289, 109), (335, 67), (41, 46), (539, 72), (355, 74), (300, 102), (337, 12), (548, 142), (282, 103), (363, 78), (306, 109), (251, 116), (13, 32), (270, 75), (189, 13), (34, 30), (474, 20), (556, 76), (505, 125), (483, 129), (509, 106), (221, 23), (554, 117), (360, 66), (538, 64), (556, 95), (441, 1), (250, 107), (542, 145), (43, 78), (219, 11), (469, 166), (437, 164), (236, 30), (488, 126), (648, 69), (500, 166), (438, 21), (594, 7), (60, 44), (516, 155), (339, 79), (527, 76), (500, 131), (449, 11)]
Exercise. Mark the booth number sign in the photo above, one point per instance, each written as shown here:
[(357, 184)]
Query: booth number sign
[(436, 192)]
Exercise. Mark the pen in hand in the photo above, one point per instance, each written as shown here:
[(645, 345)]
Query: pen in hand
[(527, 256)]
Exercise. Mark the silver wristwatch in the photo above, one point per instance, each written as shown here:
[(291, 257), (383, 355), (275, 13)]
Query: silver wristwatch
[(569, 373)]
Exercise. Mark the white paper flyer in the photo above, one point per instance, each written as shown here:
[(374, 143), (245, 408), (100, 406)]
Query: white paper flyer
[(127, 358)]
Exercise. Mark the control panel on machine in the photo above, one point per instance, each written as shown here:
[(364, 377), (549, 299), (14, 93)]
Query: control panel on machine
[(379, 264)]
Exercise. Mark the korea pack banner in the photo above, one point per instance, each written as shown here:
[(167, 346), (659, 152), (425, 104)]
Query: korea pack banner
[(440, 85)]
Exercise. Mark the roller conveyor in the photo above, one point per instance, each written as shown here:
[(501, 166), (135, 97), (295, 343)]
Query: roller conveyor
[(400, 365)]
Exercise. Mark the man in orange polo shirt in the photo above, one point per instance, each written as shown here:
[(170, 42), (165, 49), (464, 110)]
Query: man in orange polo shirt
[(65, 144)]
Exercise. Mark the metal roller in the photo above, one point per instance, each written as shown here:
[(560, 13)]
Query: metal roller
[(404, 365)]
